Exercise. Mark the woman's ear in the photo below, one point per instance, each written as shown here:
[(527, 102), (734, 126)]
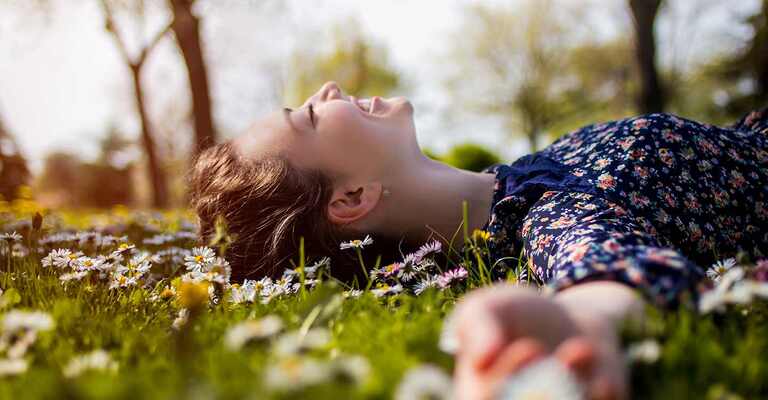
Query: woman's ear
[(350, 203)]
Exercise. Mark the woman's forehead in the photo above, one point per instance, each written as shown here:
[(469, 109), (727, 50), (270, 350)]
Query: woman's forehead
[(269, 135)]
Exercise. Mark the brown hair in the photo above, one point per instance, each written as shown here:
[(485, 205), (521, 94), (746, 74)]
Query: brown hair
[(268, 204)]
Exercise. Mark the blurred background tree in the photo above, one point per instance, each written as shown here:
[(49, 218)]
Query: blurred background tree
[(135, 64), (515, 55), (651, 98), (186, 28), (535, 69), (357, 63), (14, 172), (69, 181)]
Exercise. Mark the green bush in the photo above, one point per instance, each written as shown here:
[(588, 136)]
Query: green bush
[(470, 156)]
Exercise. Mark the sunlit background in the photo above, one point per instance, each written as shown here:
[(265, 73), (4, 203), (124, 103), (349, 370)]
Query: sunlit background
[(509, 76)]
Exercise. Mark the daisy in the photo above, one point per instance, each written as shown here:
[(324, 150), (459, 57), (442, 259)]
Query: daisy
[(432, 247), (200, 258), (426, 381), (53, 258), (454, 275), (243, 293), (118, 280), (354, 293), (181, 319), (647, 351), (386, 290), (295, 342), (356, 244), (13, 366), (294, 373), (720, 268), (425, 284), (122, 249), (240, 334), (73, 276), (15, 321), (97, 360), (351, 368), (65, 258), (88, 264), (10, 237)]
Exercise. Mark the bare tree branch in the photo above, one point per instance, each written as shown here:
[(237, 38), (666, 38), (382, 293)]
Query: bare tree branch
[(111, 27), (149, 47)]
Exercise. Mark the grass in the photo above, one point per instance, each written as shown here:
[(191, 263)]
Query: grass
[(714, 356)]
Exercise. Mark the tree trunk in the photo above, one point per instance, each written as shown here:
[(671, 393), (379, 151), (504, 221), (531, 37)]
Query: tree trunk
[(644, 15), (761, 48), (156, 173), (186, 27)]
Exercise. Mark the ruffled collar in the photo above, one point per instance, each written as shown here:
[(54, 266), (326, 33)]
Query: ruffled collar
[(517, 187)]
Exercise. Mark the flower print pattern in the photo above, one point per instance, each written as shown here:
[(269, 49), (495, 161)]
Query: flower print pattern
[(646, 201)]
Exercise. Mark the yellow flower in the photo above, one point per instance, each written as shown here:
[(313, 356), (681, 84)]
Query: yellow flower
[(193, 295), (167, 293), (478, 235)]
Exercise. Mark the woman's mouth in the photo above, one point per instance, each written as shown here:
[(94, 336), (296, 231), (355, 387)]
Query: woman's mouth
[(369, 106)]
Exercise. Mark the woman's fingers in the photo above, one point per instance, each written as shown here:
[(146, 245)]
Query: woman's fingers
[(475, 383), (596, 368), (579, 355), (516, 356)]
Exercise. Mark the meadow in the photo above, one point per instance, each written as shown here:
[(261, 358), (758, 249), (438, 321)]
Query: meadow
[(127, 304)]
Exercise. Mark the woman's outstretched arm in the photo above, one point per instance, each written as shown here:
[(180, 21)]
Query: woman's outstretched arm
[(501, 329)]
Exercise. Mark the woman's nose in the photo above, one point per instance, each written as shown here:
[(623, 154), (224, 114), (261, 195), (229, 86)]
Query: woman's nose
[(331, 90)]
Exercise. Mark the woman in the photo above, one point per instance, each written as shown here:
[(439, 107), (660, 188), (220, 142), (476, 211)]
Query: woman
[(640, 204)]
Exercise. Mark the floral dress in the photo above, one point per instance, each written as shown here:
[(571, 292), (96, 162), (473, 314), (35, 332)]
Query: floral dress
[(647, 201)]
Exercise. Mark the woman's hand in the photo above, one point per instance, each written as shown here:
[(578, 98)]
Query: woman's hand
[(501, 329)]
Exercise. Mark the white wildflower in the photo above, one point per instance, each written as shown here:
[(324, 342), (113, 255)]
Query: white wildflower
[(16, 345), (449, 340), (424, 382), (387, 290), (294, 373), (245, 293), (647, 351), (719, 269), (122, 249), (432, 247), (10, 237), (356, 244), (449, 277), (295, 342), (97, 360), (354, 293), (424, 284), (73, 276), (355, 369), (200, 258), (15, 321), (11, 367), (240, 334), (181, 319)]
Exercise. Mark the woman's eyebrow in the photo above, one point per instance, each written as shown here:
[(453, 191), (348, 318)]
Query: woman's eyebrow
[(287, 115)]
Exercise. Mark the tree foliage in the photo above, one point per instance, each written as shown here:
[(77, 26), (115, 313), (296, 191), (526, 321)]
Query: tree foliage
[(358, 64)]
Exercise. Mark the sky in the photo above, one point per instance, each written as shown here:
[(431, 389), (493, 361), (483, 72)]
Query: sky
[(63, 84)]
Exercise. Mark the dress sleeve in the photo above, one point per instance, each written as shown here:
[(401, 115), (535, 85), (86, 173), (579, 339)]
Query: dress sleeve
[(571, 238)]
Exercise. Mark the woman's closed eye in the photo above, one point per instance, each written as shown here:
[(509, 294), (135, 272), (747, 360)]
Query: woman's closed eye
[(310, 113)]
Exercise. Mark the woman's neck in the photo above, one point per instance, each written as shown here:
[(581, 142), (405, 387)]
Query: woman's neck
[(427, 200)]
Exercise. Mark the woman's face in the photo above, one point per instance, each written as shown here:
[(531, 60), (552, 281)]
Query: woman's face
[(343, 136)]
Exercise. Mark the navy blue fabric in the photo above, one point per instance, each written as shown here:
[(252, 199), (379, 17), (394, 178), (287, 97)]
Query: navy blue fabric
[(650, 201), (532, 175)]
